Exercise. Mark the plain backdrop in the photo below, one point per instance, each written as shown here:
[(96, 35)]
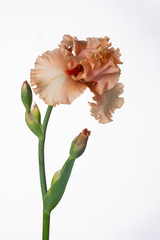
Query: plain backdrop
[(113, 192)]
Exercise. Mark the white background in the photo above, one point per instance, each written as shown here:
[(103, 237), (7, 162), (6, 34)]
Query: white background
[(114, 189)]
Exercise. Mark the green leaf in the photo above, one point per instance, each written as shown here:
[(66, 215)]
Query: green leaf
[(56, 191)]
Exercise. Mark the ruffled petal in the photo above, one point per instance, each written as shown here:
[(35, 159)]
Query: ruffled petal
[(107, 103), (72, 43), (101, 70), (95, 43), (103, 78), (116, 56), (51, 80), (98, 63)]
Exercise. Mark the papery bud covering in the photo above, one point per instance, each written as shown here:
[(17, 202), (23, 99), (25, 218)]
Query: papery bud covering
[(26, 95), (34, 125), (79, 144)]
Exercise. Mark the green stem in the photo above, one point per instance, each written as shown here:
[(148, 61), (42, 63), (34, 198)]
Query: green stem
[(41, 153), (46, 222), (46, 215), (46, 118), (42, 168)]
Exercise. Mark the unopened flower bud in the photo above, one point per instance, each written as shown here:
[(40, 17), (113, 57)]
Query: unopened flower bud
[(34, 125), (36, 113), (55, 177), (79, 144), (26, 95)]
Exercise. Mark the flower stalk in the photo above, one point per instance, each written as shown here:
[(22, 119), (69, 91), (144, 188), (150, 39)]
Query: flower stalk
[(46, 225), (46, 215), (41, 153)]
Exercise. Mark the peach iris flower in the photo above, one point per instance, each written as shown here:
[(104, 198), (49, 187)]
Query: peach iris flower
[(61, 75)]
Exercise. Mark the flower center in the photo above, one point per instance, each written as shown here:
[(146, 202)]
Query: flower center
[(75, 71)]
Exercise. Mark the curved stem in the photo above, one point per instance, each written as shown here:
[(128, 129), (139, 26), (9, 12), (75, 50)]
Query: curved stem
[(41, 153), (46, 215), (46, 119)]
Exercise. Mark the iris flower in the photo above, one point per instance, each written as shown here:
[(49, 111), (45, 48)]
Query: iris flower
[(61, 75)]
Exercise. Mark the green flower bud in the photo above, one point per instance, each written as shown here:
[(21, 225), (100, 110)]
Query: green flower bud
[(60, 178), (55, 177), (79, 144), (36, 113), (26, 95), (34, 125)]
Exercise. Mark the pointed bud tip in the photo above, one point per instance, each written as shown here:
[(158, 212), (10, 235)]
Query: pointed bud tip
[(79, 143), (55, 177), (34, 107), (86, 132), (83, 136), (36, 113), (25, 84)]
